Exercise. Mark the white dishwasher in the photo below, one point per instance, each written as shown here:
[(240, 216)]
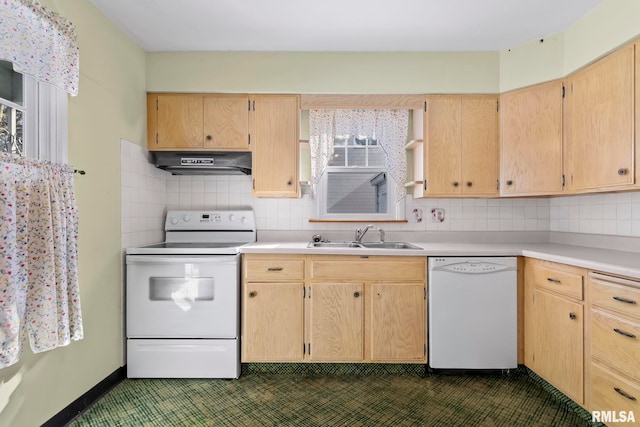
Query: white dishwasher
[(473, 313)]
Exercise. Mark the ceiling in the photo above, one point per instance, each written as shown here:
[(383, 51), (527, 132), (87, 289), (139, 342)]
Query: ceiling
[(340, 25)]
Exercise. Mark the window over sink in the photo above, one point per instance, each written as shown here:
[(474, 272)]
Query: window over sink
[(357, 160)]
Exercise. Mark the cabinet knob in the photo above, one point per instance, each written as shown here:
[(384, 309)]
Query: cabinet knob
[(289, 182), (572, 316), (455, 183), (209, 137), (252, 294), (509, 182), (469, 184), (623, 171), (356, 294)]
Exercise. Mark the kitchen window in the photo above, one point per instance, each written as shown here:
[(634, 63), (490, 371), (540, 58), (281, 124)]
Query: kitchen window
[(352, 167), (33, 117)]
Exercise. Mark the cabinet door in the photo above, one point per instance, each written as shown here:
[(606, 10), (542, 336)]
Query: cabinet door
[(558, 346), (600, 123), (274, 141), (531, 140), (179, 122), (336, 322), (442, 155), (272, 328), (480, 145), (398, 321), (226, 122)]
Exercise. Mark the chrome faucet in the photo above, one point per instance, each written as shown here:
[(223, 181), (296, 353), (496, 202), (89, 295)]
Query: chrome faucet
[(360, 233), (381, 231)]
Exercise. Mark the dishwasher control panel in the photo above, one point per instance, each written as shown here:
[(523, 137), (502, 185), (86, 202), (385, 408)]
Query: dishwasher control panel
[(472, 265)]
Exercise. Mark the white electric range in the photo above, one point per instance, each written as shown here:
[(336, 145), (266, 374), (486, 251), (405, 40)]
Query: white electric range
[(182, 297)]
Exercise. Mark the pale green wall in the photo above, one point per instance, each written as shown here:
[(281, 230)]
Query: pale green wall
[(110, 105), (323, 72), (611, 24)]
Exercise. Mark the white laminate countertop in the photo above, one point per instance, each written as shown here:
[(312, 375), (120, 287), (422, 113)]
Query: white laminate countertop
[(603, 260)]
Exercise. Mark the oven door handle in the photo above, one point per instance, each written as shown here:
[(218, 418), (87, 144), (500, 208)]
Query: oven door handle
[(178, 259)]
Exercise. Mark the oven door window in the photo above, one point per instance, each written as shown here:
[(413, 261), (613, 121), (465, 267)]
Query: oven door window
[(182, 299)]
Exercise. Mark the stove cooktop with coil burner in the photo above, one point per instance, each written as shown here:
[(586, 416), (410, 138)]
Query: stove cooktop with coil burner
[(203, 232)]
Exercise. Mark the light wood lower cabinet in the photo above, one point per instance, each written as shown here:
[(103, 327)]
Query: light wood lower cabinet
[(554, 325), (333, 309), (272, 318), (336, 326), (613, 345), (397, 321)]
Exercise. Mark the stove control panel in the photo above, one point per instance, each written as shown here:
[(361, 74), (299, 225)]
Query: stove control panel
[(210, 220)]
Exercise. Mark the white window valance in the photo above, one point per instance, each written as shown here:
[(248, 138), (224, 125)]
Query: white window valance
[(39, 43)]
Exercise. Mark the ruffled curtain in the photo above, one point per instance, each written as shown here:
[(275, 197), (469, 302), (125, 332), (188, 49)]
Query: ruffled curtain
[(39, 296), (39, 43), (388, 127)]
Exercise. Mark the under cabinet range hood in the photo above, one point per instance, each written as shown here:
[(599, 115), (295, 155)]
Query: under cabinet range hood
[(204, 163)]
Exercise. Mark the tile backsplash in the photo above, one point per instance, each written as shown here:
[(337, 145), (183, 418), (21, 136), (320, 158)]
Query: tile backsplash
[(196, 192), (148, 192), (611, 213), (143, 190)]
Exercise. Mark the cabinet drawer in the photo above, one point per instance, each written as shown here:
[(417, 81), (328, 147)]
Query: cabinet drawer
[(612, 294), (611, 392), (557, 280), (371, 269), (616, 343), (269, 269)]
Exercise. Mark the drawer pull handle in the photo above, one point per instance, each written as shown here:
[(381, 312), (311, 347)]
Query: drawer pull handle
[(626, 301), (552, 280), (275, 269), (623, 394), (572, 316), (623, 333), (252, 294)]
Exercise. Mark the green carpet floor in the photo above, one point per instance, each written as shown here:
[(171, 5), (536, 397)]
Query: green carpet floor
[(361, 397)]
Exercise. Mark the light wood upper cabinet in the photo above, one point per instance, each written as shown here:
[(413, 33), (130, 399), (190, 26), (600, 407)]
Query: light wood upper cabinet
[(226, 122), (531, 140), (196, 122), (600, 124), (460, 152), (336, 322), (274, 127), (174, 122)]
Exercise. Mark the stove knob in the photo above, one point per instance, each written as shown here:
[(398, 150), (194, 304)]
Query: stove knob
[(232, 217), (174, 220), (186, 218), (244, 220)]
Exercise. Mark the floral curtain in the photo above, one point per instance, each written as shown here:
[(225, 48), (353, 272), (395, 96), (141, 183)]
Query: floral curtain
[(39, 43), (39, 292), (388, 127)]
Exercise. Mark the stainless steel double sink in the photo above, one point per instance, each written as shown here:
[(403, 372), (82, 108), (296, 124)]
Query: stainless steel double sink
[(365, 245)]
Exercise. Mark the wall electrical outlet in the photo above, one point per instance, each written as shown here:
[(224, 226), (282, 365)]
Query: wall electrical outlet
[(417, 215), (437, 215)]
